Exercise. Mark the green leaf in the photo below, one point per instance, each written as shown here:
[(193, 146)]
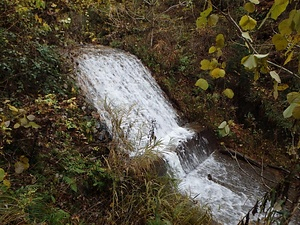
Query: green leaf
[(224, 129), (278, 8), (279, 41), (202, 83), (205, 64), (217, 73), (74, 187), (228, 93), (249, 7), (2, 174), (72, 183), (247, 23), (220, 40), (275, 76)]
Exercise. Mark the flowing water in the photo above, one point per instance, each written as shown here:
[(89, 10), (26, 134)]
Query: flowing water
[(109, 76)]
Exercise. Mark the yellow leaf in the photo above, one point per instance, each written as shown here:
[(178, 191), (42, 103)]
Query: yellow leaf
[(219, 53), (222, 125), (23, 121), (296, 112), (46, 27), (24, 159), (217, 73), (212, 20), (223, 65), (206, 12), (261, 56), (19, 167), (256, 75), (6, 123), (202, 19), (17, 125), (7, 183), (284, 27), (288, 112), (275, 92), (31, 117), (282, 87), (205, 64), (249, 7), (202, 83), (246, 35), (296, 20), (247, 23), (275, 76), (228, 93), (289, 58), (201, 22), (249, 62), (2, 174), (38, 19), (254, 1), (12, 108), (33, 125), (293, 97), (212, 49), (220, 41), (278, 7), (213, 64), (280, 42)]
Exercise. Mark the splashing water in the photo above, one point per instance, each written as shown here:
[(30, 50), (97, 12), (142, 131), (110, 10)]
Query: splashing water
[(116, 77)]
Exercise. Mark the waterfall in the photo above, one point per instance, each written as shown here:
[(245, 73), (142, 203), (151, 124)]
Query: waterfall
[(119, 78)]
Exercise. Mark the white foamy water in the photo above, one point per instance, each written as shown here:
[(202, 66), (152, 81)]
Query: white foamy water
[(116, 77)]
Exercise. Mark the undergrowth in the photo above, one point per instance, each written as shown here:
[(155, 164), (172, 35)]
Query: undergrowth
[(61, 173)]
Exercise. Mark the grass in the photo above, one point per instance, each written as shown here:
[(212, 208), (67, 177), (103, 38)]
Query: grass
[(73, 178)]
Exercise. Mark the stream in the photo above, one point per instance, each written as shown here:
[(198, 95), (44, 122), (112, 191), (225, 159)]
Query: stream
[(112, 77)]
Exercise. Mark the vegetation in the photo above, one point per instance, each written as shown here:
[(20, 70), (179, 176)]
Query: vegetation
[(54, 167), (244, 85)]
